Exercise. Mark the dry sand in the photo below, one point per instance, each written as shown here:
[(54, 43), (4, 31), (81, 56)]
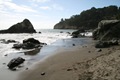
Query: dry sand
[(77, 63)]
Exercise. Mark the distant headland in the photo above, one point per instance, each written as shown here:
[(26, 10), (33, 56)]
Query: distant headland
[(89, 19)]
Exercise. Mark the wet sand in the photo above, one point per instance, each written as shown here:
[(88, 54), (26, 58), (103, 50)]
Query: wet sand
[(75, 63)]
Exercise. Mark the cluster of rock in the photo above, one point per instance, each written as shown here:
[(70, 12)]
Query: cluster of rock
[(107, 33), (7, 41), (77, 34), (23, 27), (29, 43)]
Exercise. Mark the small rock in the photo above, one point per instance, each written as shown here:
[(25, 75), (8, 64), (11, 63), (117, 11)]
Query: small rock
[(61, 31), (39, 32), (99, 50), (69, 69), (4, 63), (89, 51), (73, 44), (6, 55), (43, 73), (26, 69)]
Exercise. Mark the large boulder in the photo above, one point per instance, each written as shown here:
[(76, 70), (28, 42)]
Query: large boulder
[(23, 27), (107, 30), (15, 62)]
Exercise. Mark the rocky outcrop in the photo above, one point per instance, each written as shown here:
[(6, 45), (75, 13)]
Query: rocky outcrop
[(107, 30), (29, 43), (22, 27)]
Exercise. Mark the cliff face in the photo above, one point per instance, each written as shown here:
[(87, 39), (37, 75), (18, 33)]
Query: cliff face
[(89, 19), (23, 27)]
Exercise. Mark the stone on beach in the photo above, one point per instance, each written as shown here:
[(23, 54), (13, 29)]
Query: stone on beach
[(15, 62)]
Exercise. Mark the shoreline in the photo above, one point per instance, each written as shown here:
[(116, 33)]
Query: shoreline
[(34, 58), (63, 64)]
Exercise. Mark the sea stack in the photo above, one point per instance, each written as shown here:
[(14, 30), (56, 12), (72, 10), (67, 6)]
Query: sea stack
[(23, 27)]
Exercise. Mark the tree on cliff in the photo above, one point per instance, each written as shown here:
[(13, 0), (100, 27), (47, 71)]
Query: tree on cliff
[(89, 19)]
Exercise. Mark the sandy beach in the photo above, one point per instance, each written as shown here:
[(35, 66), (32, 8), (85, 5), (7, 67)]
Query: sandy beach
[(77, 63)]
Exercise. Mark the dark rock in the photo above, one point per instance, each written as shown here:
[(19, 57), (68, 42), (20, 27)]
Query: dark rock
[(4, 63), (22, 27), (31, 40), (11, 41), (107, 30), (15, 62), (73, 44), (69, 69), (39, 32), (29, 43), (99, 50), (17, 46), (101, 44), (43, 73), (114, 42), (89, 51), (7, 41), (26, 69), (61, 31), (105, 44), (77, 34), (68, 32), (6, 55)]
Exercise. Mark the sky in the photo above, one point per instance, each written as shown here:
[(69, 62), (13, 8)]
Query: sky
[(44, 14)]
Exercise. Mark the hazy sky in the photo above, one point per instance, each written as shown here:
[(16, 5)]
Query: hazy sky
[(45, 13)]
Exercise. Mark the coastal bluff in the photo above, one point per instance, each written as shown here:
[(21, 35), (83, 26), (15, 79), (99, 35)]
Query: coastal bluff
[(89, 19), (23, 27), (107, 30)]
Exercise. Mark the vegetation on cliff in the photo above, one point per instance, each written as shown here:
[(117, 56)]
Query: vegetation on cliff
[(89, 19)]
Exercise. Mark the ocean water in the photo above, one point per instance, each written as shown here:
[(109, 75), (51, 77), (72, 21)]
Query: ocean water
[(55, 39)]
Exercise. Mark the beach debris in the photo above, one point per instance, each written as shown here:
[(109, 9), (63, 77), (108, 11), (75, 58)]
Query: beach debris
[(43, 73), (15, 62)]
